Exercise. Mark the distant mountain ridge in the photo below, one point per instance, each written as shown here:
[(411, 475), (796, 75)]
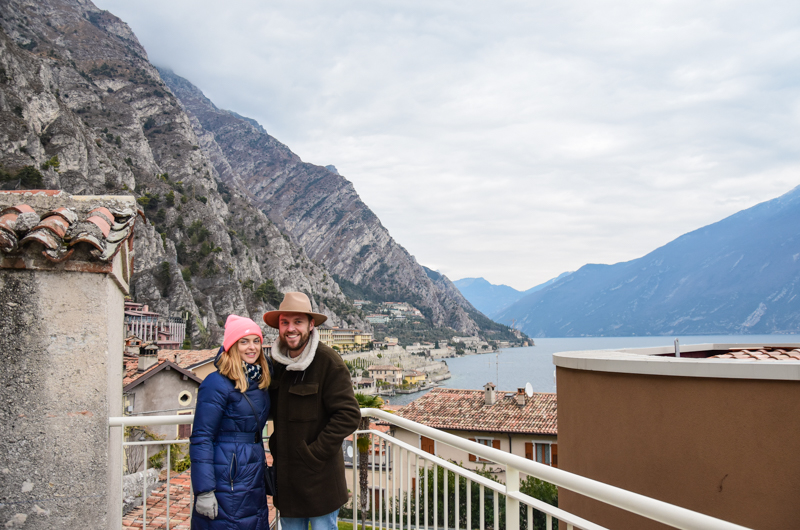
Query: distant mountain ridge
[(491, 299), (739, 275), (487, 297)]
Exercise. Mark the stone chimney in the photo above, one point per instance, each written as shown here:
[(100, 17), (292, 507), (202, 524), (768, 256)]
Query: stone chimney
[(489, 397), (148, 356), (520, 397), (65, 268)]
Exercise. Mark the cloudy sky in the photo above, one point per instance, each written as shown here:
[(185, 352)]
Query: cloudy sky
[(510, 140)]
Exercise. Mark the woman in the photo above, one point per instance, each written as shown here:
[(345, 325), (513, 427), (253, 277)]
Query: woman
[(226, 449)]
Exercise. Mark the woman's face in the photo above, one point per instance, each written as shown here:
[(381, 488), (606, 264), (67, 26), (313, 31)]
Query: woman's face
[(249, 348)]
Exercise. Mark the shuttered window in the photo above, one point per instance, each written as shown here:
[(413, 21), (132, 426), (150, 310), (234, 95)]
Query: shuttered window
[(427, 445), (544, 453), (184, 431), (489, 442)]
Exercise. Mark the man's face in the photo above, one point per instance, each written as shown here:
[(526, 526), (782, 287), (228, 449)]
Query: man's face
[(293, 331)]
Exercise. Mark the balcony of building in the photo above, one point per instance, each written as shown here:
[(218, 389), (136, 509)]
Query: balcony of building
[(409, 488)]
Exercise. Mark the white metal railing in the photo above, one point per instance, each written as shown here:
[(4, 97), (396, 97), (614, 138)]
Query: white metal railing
[(142, 421), (400, 488)]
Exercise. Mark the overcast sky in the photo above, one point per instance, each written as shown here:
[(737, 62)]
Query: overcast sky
[(510, 140)]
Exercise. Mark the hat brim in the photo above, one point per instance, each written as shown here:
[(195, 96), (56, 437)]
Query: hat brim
[(271, 317)]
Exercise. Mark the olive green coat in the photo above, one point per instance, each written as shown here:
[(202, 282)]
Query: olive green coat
[(313, 412)]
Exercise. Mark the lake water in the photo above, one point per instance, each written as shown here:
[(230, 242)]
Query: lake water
[(513, 367)]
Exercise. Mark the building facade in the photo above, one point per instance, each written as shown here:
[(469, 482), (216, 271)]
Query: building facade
[(714, 430), (508, 421)]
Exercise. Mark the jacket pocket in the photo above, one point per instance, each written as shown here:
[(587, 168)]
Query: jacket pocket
[(303, 405), (310, 460), (232, 468)]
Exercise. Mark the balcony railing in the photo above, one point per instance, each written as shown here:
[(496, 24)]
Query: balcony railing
[(397, 503)]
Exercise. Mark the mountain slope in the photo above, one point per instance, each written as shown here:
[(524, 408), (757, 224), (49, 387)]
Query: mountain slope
[(319, 209), (491, 299), (487, 297), (83, 110), (739, 275)]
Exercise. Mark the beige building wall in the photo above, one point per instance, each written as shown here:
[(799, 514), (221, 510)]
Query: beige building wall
[(203, 370), (723, 446)]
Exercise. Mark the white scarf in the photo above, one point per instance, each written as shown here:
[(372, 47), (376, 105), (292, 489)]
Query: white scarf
[(302, 361)]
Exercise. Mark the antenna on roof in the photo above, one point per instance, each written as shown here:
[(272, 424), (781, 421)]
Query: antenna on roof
[(528, 390)]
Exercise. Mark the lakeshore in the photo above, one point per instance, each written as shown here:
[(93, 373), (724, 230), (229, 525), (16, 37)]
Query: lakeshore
[(512, 368)]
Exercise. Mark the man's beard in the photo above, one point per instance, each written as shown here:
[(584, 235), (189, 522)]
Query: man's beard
[(303, 342)]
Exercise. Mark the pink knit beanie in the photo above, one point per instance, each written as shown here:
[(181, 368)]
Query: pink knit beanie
[(237, 327)]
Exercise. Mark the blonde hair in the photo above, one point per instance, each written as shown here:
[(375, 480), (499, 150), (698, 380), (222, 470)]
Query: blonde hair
[(230, 365)]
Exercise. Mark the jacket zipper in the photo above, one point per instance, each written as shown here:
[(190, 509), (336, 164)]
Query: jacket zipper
[(231, 469)]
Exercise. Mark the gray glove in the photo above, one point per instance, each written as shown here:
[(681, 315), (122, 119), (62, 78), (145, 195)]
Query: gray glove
[(207, 504)]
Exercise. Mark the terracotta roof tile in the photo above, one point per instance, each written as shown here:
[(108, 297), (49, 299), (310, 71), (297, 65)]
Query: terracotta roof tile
[(465, 410), (761, 354), (133, 373), (180, 506), (62, 230), (188, 358)]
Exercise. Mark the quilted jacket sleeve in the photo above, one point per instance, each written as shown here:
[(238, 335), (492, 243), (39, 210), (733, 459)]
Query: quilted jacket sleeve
[(211, 401)]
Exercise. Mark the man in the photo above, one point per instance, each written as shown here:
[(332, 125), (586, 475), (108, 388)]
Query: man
[(314, 410)]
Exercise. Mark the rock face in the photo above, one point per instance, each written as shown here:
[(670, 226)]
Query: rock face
[(235, 218), (739, 275), (319, 209), (83, 110)]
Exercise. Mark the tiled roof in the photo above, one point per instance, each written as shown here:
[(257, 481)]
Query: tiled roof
[(188, 358), (180, 506), (100, 231), (465, 410), (761, 354), (132, 371), (133, 377), (384, 367)]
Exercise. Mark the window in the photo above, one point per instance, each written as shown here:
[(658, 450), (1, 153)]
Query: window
[(488, 442), (544, 453), (184, 398), (184, 431)]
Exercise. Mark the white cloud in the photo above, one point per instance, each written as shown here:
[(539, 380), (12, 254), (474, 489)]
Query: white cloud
[(510, 140)]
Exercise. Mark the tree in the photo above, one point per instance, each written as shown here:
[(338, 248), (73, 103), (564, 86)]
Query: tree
[(363, 444)]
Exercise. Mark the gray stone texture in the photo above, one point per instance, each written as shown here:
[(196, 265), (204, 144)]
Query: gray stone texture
[(60, 379)]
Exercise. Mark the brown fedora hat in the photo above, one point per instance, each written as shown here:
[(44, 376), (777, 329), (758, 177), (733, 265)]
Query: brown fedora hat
[(293, 303)]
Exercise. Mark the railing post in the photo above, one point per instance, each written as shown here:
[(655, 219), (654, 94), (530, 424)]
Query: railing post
[(355, 484), (512, 505)]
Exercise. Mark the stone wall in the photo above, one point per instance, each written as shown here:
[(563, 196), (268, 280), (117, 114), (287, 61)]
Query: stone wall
[(61, 375), (65, 266)]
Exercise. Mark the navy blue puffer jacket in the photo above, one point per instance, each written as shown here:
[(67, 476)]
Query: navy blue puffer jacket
[(225, 456)]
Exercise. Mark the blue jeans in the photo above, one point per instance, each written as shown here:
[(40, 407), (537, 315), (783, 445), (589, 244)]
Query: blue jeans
[(323, 522)]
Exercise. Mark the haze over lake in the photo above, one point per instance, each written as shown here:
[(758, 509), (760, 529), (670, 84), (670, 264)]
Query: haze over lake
[(514, 367)]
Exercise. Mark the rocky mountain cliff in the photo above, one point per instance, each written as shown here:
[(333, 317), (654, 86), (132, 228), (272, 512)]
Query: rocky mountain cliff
[(82, 109), (739, 275), (235, 218), (319, 209)]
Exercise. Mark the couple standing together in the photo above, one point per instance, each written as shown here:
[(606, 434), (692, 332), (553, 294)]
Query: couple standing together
[(311, 400)]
